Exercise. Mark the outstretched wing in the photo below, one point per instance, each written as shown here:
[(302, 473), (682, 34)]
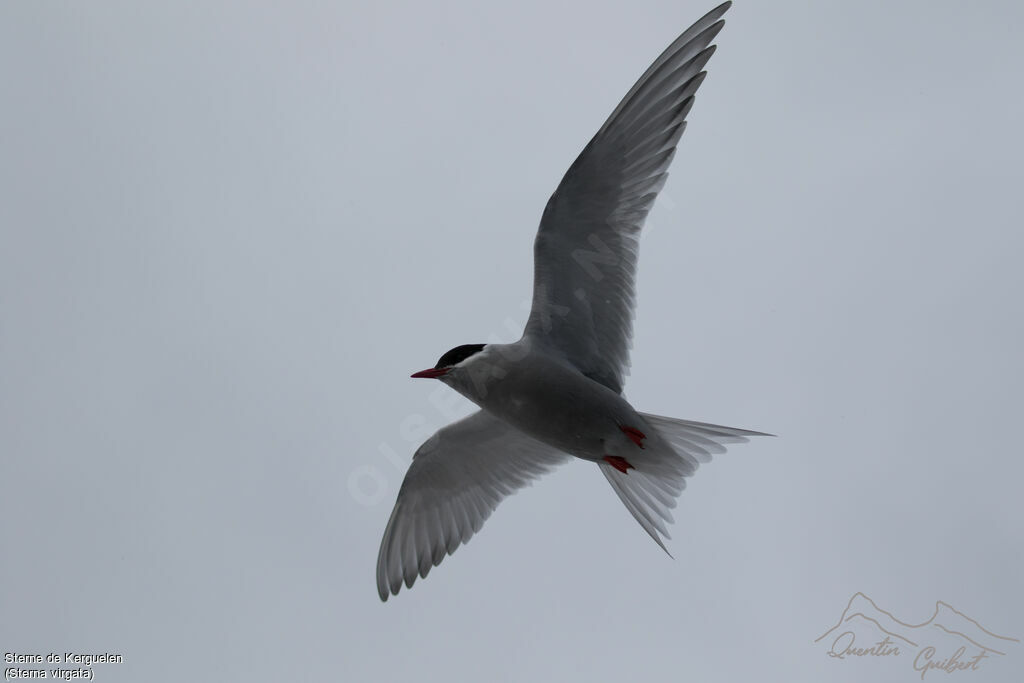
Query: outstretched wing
[(456, 480), (586, 248)]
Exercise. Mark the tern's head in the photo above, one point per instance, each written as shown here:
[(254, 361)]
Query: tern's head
[(451, 360)]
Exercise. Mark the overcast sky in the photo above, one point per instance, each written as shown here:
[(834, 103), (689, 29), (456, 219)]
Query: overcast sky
[(230, 231)]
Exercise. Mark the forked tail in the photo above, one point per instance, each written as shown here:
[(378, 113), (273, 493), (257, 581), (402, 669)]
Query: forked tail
[(658, 475)]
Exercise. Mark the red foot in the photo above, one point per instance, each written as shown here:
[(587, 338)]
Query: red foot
[(635, 435), (621, 464)]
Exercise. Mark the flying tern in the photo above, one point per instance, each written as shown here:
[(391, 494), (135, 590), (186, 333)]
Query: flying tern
[(557, 392)]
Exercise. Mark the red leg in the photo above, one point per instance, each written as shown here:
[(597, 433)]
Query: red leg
[(621, 464), (634, 434)]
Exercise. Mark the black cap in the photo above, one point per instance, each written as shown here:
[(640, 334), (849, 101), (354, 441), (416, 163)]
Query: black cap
[(458, 354)]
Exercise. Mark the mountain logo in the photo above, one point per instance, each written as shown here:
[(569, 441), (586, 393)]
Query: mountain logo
[(949, 641)]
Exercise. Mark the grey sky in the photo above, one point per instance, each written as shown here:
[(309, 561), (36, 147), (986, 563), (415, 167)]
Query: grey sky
[(228, 234)]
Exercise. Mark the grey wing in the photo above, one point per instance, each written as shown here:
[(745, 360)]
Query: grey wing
[(456, 480), (585, 253)]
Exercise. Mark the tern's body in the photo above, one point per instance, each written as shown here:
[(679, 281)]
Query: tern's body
[(557, 393), (549, 400)]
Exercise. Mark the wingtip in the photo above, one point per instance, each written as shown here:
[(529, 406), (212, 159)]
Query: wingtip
[(661, 544), (716, 13)]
